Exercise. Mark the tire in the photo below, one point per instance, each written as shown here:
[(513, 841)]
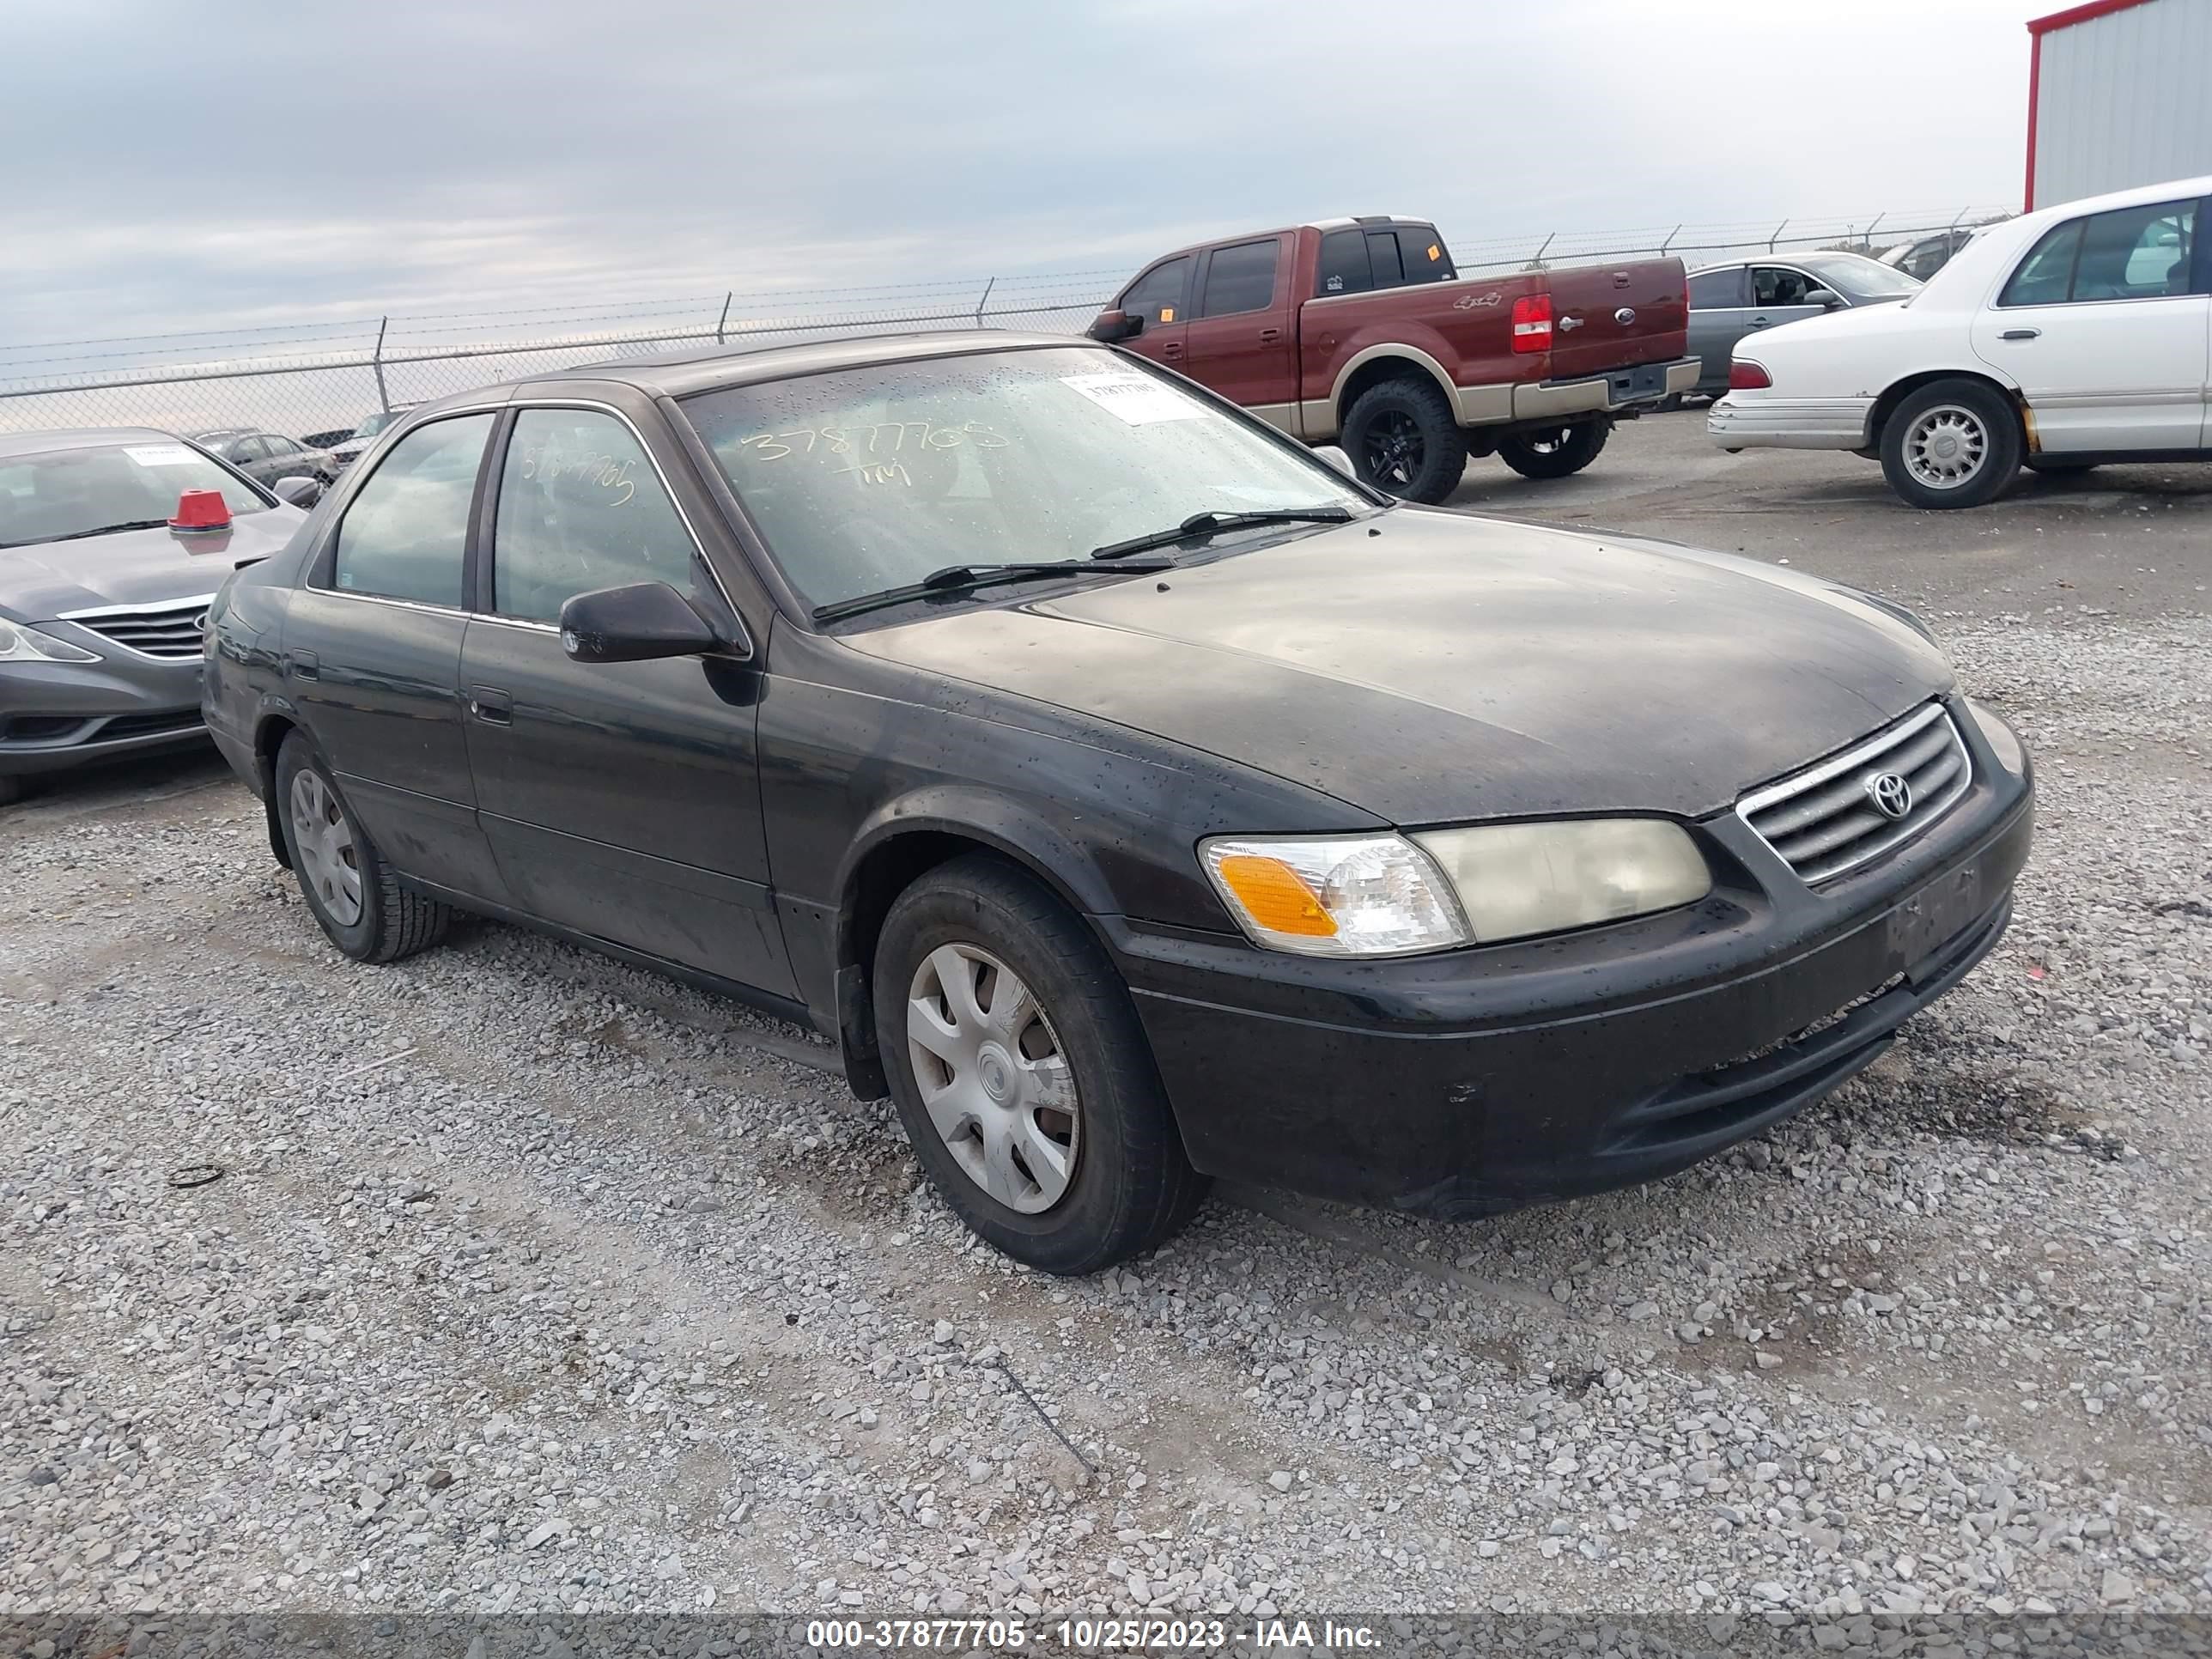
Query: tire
[(388, 920), (1955, 443), (1403, 438), (1557, 453), (1123, 1185)]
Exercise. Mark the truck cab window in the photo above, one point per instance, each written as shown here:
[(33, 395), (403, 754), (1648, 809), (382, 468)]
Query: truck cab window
[(1157, 296), (1344, 267), (1382, 255), (1241, 278), (1422, 254)]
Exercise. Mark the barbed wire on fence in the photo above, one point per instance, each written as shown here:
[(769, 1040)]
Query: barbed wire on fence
[(311, 377)]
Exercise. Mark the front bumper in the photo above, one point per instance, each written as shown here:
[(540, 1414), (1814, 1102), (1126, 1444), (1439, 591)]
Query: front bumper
[(1789, 422), (58, 716), (1638, 388), (1475, 1081)]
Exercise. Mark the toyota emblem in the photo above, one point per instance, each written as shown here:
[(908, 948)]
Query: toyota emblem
[(1891, 794)]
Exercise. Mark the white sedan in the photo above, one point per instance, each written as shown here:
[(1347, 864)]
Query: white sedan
[(2071, 335)]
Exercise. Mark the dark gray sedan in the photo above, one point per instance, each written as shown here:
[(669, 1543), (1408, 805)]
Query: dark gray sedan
[(266, 457), (102, 602), (1729, 301)]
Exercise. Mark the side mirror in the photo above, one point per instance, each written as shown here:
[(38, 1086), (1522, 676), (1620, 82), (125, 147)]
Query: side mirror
[(1827, 299), (302, 493), (1337, 458), (641, 622), (1114, 325)]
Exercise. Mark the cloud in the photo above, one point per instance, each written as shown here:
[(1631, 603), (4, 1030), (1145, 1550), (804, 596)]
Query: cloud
[(258, 163)]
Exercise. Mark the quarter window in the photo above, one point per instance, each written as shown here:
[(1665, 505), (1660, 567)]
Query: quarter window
[(1422, 254), (1157, 296), (405, 535), (581, 508), (1241, 278)]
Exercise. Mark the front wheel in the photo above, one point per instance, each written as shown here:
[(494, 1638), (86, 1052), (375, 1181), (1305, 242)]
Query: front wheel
[(1555, 452), (1022, 1075), (1403, 438), (1956, 443)]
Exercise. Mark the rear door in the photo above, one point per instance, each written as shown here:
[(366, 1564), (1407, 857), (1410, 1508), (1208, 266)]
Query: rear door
[(1242, 337), (372, 654), (2104, 324), (1609, 316), (1718, 318), (622, 799), (1162, 297)]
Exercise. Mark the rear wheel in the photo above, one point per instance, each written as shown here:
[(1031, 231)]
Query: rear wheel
[(1402, 439), (1555, 452), (1022, 1075), (1956, 443), (356, 898)]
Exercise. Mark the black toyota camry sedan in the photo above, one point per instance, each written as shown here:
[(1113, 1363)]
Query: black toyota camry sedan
[(1134, 798)]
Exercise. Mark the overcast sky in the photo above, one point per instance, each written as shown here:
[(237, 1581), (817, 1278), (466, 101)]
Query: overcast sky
[(176, 164)]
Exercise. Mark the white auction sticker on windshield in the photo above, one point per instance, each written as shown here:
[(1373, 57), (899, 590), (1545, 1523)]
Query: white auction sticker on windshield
[(1137, 398), (160, 455)]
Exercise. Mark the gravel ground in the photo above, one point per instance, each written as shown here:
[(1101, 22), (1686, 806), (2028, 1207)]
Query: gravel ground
[(533, 1282)]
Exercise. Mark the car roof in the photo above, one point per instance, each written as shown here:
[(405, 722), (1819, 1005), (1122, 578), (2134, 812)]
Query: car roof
[(79, 437), (679, 373)]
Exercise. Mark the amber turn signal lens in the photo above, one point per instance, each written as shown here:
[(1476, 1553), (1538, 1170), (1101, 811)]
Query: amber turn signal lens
[(1274, 896)]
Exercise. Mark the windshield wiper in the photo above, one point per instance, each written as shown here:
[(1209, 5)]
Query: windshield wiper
[(97, 530), (1205, 524), (955, 578)]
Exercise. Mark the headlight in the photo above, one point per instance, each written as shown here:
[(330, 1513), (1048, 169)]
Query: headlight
[(1516, 880), (1347, 896), (20, 642)]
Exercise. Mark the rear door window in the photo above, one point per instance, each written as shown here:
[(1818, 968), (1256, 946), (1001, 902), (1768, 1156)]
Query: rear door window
[(1716, 290), (581, 508), (2047, 276), (1157, 296), (405, 535), (1344, 267), (1241, 277)]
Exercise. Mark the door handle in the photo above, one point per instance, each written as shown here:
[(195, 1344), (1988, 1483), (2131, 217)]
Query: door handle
[(1566, 323), (307, 665), (1270, 336), (2021, 334), (492, 706), (1171, 349)]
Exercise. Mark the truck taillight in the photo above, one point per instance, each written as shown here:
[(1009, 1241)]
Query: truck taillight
[(1747, 377), (1532, 323)]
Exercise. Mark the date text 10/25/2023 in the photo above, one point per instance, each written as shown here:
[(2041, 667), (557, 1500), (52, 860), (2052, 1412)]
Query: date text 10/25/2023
[(1013, 1635)]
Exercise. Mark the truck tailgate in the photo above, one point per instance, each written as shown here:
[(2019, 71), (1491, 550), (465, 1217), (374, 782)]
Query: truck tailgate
[(1621, 315)]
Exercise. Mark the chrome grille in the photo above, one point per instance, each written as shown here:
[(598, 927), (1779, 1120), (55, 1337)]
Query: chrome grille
[(1824, 820), (170, 630)]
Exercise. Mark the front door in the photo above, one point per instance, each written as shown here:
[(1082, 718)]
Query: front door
[(372, 648), (622, 799), (1243, 336), (1778, 296), (2106, 329)]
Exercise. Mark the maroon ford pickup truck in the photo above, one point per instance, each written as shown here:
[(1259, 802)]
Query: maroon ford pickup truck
[(1360, 332)]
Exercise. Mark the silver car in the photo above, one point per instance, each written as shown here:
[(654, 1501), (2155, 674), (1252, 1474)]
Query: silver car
[(1729, 301), (103, 598)]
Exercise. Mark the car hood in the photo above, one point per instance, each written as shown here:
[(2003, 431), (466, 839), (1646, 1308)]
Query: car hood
[(1431, 667), (41, 582)]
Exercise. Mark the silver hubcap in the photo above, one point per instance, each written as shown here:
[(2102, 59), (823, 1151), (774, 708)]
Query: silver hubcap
[(992, 1077), (323, 840), (1945, 446)]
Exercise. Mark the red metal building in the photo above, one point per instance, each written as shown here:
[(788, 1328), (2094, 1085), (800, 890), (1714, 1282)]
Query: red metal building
[(2120, 93)]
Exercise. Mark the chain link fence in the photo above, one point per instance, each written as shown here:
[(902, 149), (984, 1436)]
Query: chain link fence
[(318, 381)]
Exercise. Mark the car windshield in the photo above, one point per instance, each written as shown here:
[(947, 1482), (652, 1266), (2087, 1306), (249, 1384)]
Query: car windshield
[(869, 478), (59, 493), (1863, 281)]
